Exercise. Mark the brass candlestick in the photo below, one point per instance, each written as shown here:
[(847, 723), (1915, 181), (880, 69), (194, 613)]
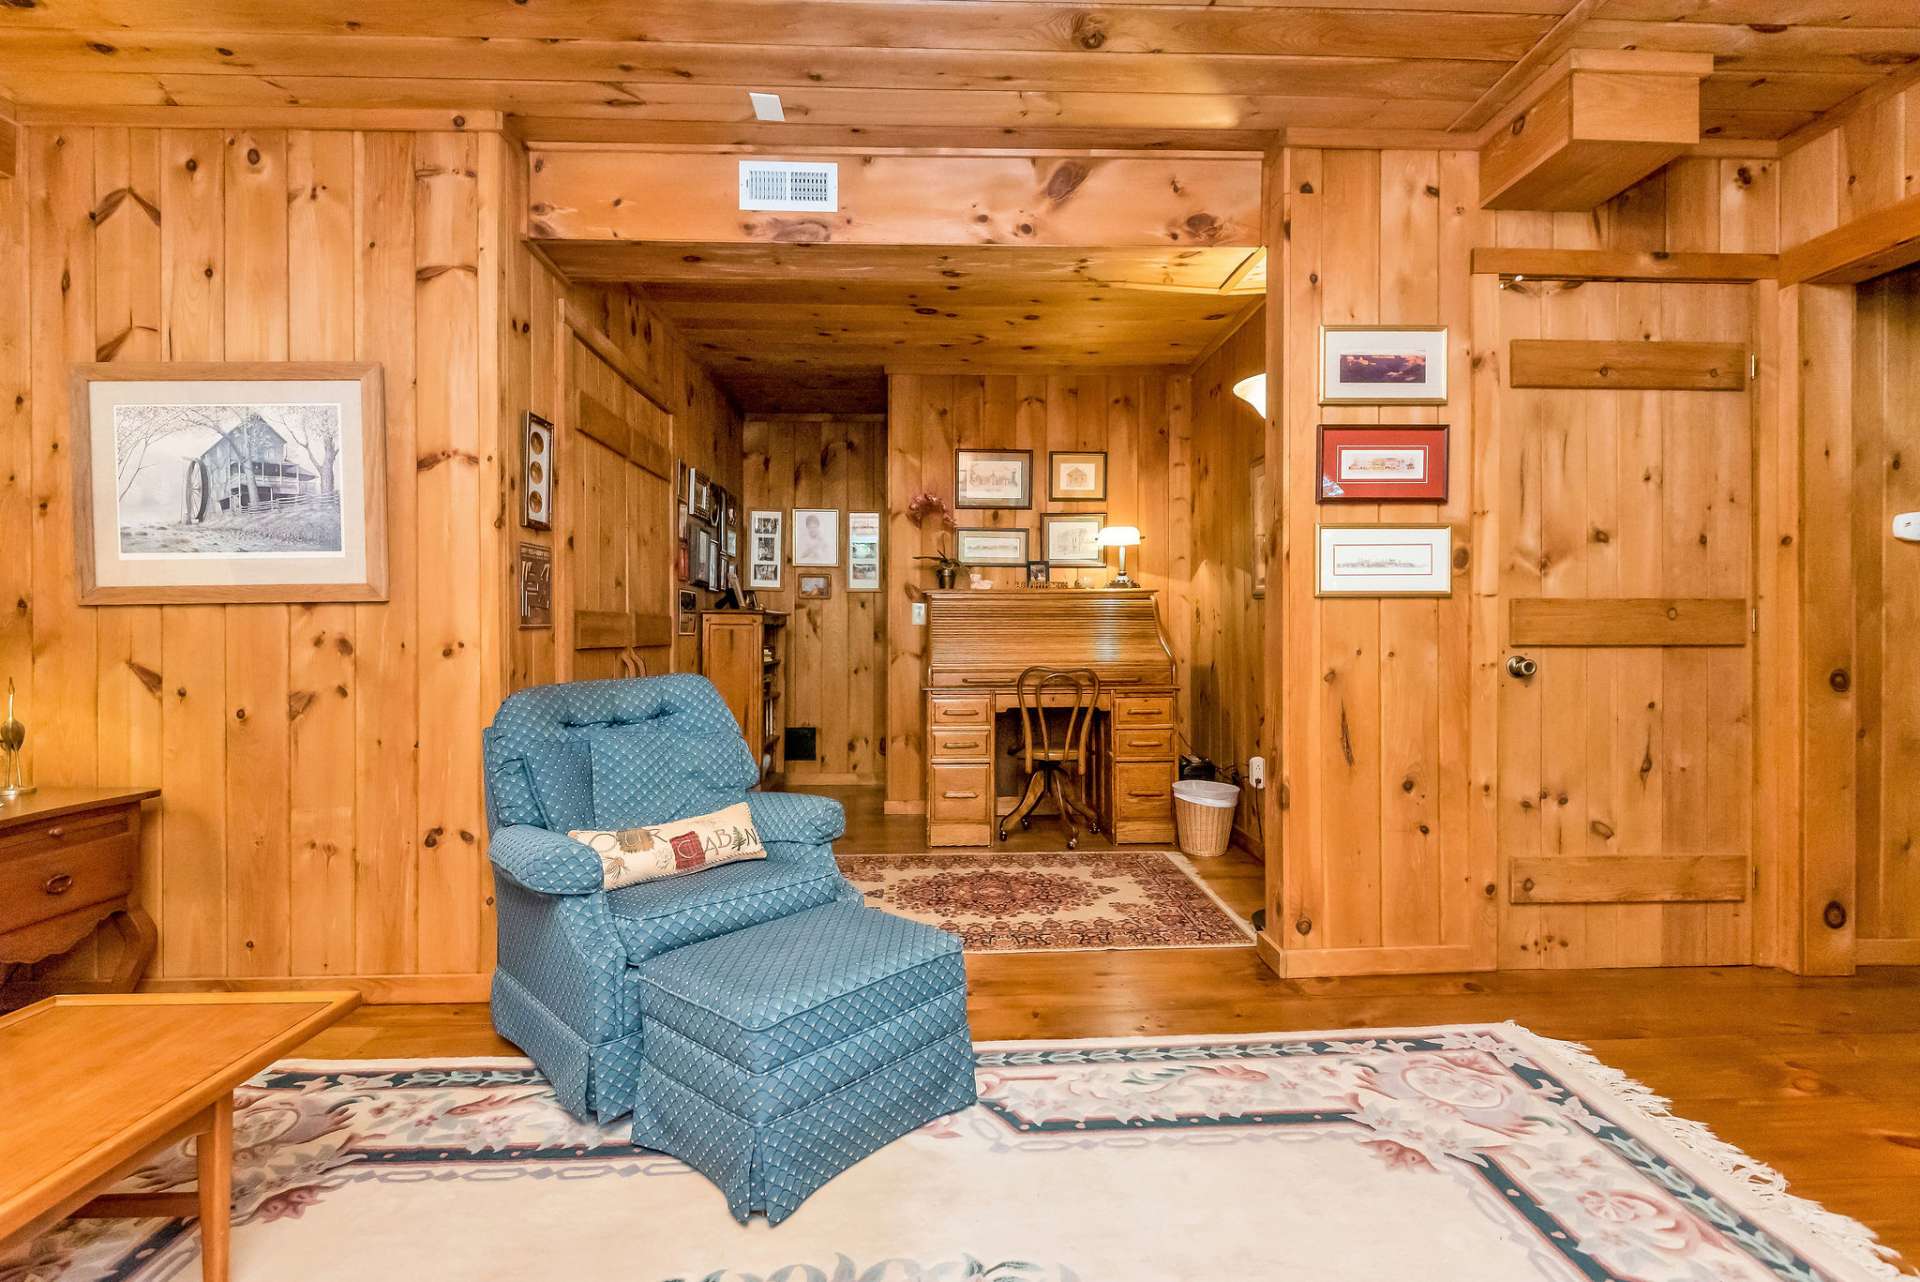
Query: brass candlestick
[(13, 737)]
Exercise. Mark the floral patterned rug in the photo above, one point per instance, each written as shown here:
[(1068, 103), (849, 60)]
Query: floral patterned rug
[(1456, 1154), (1066, 901)]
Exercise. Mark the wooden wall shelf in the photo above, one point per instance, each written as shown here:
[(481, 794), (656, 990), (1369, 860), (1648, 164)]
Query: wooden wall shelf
[(1651, 366)]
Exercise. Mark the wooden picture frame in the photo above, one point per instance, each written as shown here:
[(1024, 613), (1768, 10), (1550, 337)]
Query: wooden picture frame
[(766, 532), (1039, 574), (991, 545), (1063, 470), (1364, 560), (229, 482), (816, 537), (1368, 464), (993, 479), (814, 586), (1256, 507), (1079, 527), (1383, 364)]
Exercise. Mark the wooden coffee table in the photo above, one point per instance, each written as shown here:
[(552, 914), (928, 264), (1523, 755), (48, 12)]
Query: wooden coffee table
[(92, 1086)]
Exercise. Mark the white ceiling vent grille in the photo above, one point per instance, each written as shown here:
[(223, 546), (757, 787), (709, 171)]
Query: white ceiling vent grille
[(790, 185)]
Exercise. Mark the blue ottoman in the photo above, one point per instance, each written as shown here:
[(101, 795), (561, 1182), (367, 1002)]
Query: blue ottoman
[(775, 1057)]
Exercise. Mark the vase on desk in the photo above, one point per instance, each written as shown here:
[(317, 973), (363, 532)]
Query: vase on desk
[(13, 766)]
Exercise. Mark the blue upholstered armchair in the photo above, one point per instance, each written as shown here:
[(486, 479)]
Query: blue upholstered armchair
[(609, 755)]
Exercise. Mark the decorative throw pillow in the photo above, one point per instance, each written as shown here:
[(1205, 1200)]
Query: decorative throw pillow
[(633, 855)]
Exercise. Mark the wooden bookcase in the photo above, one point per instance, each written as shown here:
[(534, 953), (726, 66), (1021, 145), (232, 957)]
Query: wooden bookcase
[(744, 654)]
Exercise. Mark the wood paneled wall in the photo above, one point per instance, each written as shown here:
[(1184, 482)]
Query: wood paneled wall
[(1212, 585), (836, 665), (1139, 417), (321, 813)]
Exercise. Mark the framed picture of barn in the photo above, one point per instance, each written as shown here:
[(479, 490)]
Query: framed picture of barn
[(229, 483)]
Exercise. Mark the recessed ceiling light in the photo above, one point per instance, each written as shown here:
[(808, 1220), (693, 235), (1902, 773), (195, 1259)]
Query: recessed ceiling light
[(766, 106)]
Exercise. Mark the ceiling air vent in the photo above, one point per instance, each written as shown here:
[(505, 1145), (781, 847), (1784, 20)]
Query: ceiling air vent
[(788, 184)]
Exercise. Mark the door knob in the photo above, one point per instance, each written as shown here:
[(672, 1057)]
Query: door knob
[(1520, 667)]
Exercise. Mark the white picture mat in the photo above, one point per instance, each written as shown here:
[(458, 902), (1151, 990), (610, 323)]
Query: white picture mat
[(1430, 344), (765, 533), (991, 547), (1373, 464), (863, 552), (1384, 560), (1074, 541), (816, 536), (113, 569)]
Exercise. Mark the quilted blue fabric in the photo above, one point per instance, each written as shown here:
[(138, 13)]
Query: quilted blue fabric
[(773, 1167), (652, 917), (797, 817), (549, 862), (560, 772), (653, 773)]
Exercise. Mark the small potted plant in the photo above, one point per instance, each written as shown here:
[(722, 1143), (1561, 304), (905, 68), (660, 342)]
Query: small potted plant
[(946, 570)]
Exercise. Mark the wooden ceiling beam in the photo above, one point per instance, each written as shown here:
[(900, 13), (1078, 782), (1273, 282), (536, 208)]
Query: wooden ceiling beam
[(993, 26), (793, 138), (1872, 245), (707, 264), (905, 200), (1598, 123), (1626, 265)]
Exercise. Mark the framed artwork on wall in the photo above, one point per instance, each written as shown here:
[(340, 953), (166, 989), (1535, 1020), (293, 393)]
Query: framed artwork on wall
[(1383, 365), (763, 548), (689, 613), (815, 587), (863, 552), (1039, 573), (1384, 560), (1383, 464), (1076, 476), (1257, 508), (1072, 538), (229, 483), (816, 536), (990, 547), (993, 478)]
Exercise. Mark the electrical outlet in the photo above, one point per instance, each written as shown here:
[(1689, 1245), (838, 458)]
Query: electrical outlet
[(919, 614), (1257, 772)]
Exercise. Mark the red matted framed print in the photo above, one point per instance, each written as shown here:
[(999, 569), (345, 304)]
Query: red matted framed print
[(1383, 464)]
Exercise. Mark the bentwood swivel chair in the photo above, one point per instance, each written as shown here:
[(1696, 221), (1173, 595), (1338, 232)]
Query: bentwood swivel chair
[(1053, 748)]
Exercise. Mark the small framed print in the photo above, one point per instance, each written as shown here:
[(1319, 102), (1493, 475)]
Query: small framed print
[(1384, 560), (689, 613), (1077, 476), (993, 478), (1257, 508), (1383, 365), (815, 587), (764, 530), (1375, 464), (536, 586), (863, 552), (704, 559), (699, 495), (1072, 538), (991, 547), (816, 536), (1039, 573)]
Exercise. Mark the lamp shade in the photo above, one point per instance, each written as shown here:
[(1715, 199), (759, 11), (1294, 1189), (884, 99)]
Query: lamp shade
[(1120, 536), (1253, 390)]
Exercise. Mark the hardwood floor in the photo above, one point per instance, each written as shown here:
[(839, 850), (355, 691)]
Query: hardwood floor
[(1817, 1077)]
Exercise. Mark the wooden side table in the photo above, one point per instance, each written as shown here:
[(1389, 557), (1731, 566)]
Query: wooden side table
[(68, 861)]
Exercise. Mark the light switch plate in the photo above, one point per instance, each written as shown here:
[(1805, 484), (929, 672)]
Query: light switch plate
[(919, 614), (1906, 527)]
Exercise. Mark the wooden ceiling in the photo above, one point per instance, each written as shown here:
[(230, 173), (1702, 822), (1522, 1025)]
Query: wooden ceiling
[(813, 328), (941, 73)]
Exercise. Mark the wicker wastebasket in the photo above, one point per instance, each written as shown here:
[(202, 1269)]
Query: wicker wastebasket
[(1203, 816)]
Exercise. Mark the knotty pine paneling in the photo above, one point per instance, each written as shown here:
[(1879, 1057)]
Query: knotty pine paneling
[(1136, 415), (1886, 427), (1223, 694), (321, 811), (835, 674)]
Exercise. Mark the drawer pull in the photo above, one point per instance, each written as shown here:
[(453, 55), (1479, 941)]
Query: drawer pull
[(56, 832), (960, 796), (1145, 796), (1143, 712), (1148, 743), (59, 884)]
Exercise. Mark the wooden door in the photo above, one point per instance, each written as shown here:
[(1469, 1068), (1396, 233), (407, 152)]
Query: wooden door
[(614, 580), (1624, 452)]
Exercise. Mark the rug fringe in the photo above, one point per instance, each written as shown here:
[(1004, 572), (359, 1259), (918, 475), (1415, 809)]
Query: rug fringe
[(1767, 1186)]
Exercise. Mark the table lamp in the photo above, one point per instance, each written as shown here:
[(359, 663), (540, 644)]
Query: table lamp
[(1122, 537)]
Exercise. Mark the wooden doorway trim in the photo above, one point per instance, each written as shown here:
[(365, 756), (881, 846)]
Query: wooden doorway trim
[(579, 412)]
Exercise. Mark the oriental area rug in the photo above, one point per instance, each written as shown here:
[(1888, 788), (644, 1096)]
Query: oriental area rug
[(1451, 1154), (1064, 901)]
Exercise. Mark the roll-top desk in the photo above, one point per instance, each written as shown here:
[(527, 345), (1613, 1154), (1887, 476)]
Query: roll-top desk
[(978, 643)]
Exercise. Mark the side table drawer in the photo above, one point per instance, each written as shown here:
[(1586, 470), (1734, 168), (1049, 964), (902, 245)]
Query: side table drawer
[(960, 792), (1142, 710), (66, 832), (1143, 790), (48, 882), (959, 745), (1142, 745), (959, 710)]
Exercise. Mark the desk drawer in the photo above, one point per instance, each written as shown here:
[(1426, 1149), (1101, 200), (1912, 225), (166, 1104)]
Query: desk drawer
[(1142, 745), (960, 792), (66, 832), (960, 745), (1142, 710), (959, 710), (1143, 790), (47, 883)]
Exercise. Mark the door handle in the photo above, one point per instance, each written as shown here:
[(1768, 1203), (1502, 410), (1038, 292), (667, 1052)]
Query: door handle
[(1521, 668)]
